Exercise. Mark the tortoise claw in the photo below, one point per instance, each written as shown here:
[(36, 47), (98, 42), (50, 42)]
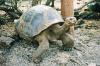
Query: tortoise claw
[(67, 49)]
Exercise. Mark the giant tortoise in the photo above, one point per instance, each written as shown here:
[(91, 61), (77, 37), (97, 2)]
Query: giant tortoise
[(44, 24)]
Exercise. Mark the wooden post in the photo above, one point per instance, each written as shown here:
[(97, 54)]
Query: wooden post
[(67, 8)]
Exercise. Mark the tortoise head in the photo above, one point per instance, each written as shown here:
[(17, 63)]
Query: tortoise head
[(71, 21)]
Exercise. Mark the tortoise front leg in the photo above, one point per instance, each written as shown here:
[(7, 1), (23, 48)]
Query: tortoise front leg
[(67, 41), (43, 46)]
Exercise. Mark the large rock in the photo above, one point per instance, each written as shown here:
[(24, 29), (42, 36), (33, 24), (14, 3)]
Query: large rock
[(5, 41)]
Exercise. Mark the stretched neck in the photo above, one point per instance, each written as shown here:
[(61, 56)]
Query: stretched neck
[(65, 27)]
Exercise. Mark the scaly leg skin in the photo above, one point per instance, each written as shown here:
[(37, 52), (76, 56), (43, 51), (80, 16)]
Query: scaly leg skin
[(43, 46), (67, 41)]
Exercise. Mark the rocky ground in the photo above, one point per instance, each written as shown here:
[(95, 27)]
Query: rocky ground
[(85, 53)]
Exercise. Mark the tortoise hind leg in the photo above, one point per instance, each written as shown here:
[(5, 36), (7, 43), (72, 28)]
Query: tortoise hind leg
[(67, 41)]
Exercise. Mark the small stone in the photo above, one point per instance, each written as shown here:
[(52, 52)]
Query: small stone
[(92, 64), (79, 54), (62, 58)]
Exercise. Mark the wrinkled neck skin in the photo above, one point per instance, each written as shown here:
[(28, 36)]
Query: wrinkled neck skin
[(67, 27)]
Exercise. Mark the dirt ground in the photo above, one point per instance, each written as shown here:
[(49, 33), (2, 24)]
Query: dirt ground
[(85, 53)]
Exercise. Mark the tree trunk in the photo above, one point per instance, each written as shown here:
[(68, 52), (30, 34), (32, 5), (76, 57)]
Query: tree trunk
[(14, 13), (52, 5), (67, 9), (50, 2)]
